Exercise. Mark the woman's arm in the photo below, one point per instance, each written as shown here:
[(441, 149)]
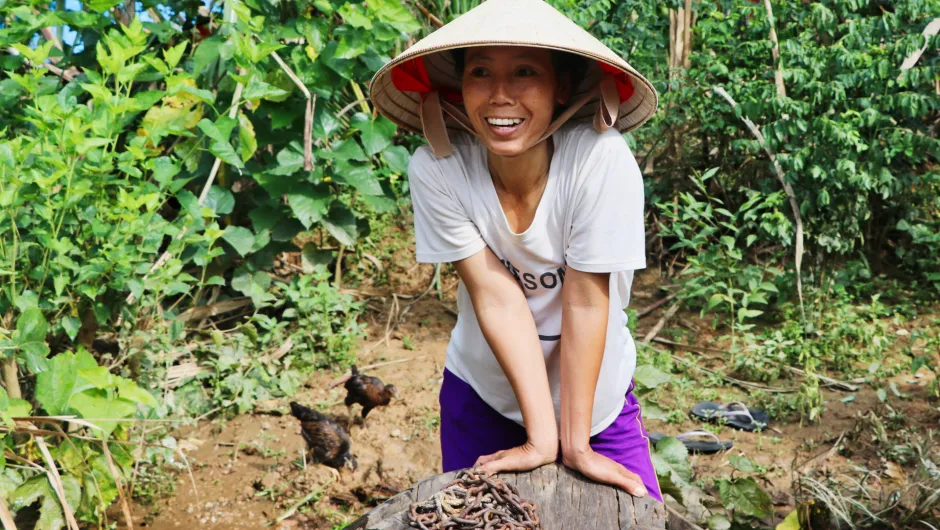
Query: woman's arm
[(509, 328), (585, 310)]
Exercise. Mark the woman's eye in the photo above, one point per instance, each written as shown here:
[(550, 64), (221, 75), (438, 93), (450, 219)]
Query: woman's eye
[(478, 71), (525, 71)]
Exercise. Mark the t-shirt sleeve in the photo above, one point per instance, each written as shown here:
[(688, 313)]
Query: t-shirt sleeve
[(607, 232), (444, 232)]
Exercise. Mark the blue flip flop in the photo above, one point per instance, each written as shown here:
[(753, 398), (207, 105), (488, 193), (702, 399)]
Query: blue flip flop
[(735, 414), (711, 445)]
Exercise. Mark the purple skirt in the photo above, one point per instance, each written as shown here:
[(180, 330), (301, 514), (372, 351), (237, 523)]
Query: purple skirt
[(470, 429)]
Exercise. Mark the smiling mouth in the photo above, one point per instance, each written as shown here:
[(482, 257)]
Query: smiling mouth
[(504, 126)]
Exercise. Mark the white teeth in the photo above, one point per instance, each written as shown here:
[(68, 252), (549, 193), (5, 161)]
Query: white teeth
[(504, 122)]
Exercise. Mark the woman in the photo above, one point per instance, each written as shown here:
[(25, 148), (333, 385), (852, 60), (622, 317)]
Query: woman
[(541, 214)]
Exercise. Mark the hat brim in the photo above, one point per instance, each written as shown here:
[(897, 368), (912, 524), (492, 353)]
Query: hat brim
[(490, 24)]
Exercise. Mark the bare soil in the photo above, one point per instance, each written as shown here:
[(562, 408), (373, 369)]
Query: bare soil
[(246, 472)]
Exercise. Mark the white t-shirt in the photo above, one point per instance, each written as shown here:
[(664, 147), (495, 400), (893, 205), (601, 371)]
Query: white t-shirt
[(590, 218)]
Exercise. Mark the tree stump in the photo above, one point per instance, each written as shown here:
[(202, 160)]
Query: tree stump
[(566, 500)]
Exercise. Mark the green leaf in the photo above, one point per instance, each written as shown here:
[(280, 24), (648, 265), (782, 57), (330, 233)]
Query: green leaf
[(207, 52), (361, 177), (247, 142), (97, 404), (127, 389), (674, 456), (743, 464), (648, 376), (350, 46), (652, 410), (54, 386), (289, 160), (744, 496), (397, 158), (174, 54), (745, 313), (102, 5), (212, 130), (377, 133), (381, 204), (30, 334), (670, 459), (309, 204), (394, 13), (346, 150), (354, 16), (265, 217), (19, 408), (240, 238), (99, 377), (220, 200), (254, 285), (324, 6), (341, 224), (719, 521), (71, 325), (226, 153), (164, 169), (258, 89), (311, 257), (791, 522), (714, 300)]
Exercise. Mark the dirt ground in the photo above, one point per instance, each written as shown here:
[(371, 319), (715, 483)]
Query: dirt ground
[(254, 486)]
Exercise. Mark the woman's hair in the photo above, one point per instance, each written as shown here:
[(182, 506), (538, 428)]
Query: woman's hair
[(564, 63)]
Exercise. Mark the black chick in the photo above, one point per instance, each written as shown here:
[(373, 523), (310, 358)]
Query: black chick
[(368, 391), (326, 438)]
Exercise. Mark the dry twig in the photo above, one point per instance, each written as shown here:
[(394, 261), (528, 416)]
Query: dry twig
[(661, 324), (56, 480), (308, 114), (116, 475), (932, 28), (6, 517), (655, 305)]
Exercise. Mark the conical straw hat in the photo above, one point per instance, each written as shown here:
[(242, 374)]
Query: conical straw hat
[(401, 87)]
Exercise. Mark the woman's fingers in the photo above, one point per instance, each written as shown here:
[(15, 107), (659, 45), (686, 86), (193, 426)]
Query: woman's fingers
[(512, 460), (605, 470), (522, 458), (485, 459), (631, 482)]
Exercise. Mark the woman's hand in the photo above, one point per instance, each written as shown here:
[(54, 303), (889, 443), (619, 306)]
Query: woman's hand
[(604, 470), (523, 458)]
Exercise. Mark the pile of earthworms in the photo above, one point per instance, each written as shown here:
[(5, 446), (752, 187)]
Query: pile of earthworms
[(473, 500)]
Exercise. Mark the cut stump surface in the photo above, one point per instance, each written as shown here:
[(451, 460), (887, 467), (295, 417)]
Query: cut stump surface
[(566, 500)]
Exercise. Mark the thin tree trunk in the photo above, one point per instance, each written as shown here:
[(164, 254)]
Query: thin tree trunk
[(687, 27), (778, 72), (680, 36), (11, 378)]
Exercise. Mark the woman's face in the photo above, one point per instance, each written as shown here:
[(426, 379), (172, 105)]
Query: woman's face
[(510, 93)]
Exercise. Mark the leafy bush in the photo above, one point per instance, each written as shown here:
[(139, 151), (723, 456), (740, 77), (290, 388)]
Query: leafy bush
[(131, 189), (714, 240)]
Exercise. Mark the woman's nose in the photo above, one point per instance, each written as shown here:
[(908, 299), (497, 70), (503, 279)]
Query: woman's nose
[(502, 93)]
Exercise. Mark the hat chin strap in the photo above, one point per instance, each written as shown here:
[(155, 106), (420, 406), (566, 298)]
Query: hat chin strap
[(435, 130)]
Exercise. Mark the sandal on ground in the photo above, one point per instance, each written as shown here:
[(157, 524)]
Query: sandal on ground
[(735, 414), (704, 447)]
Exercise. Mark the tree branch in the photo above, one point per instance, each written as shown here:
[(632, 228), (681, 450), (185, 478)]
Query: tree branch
[(786, 187)]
